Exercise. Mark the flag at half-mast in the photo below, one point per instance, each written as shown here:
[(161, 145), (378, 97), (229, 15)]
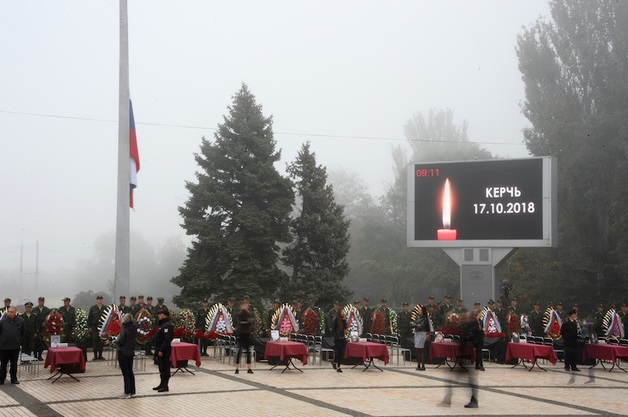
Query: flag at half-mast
[(134, 154)]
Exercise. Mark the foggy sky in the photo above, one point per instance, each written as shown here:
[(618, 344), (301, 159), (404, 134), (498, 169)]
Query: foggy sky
[(344, 75)]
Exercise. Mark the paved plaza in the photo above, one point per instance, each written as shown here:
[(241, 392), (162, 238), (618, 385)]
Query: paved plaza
[(318, 391)]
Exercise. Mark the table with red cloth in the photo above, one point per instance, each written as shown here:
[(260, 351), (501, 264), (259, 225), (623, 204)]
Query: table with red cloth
[(452, 351), (367, 351), (65, 361), (286, 351), (605, 352), (530, 352), (181, 353)]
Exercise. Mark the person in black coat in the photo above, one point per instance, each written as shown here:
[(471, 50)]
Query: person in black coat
[(338, 327), (126, 352), (163, 338), (11, 334), (569, 332), (477, 339), (245, 326)]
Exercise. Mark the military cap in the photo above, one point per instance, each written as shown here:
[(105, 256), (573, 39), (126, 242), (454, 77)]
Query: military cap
[(601, 305), (490, 302), (448, 296), (513, 299), (7, 300), (160, 299), (123, 297), (366, 299), (405, 304), (28, 304), (356, 302), (233, 298), (477, 303), (133, 298), (41, 299), (459, 300), (66, 299), (538, 303), (559, 303), (500, 300), (99, 297), (276, 302), (384, 300), (431, 297), (140, 296), (150, 297), (572, 312)]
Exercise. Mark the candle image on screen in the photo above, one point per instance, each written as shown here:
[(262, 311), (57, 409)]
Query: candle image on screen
[(446, 233)]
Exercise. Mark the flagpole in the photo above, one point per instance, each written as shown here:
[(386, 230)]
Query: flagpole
[(121, 281)]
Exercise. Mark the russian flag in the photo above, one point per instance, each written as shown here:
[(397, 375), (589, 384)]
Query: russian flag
[(134, 154)]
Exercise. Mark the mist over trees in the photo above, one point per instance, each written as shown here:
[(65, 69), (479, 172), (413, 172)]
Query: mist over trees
[(575, 70)]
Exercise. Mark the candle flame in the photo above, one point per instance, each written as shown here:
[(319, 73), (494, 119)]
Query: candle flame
[(446, 205)]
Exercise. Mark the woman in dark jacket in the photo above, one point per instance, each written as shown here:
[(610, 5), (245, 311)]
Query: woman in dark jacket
[(339, 325), (126, 352)]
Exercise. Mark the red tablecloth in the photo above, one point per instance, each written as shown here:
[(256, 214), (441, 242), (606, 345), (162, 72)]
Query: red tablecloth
[(367, 350), (65, 356), (184, 351), (451, 351), (605, 352), (531, 352), (286, 350)]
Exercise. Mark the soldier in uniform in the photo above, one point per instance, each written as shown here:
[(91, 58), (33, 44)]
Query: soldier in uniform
[(42, 312), (383, 307), (69, 318), (559, 310), (161, 306), (140, 305), (535, 320), (460, 308), (30, 328), (365, 313), (404, 328), (624, 316), (201, 315), (7, 304), (93, 320), (598, 321), (163, 338), (133, 305), (500, 313), (122, 307), (513, 306)]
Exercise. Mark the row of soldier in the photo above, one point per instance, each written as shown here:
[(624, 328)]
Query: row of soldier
[(34, 318)]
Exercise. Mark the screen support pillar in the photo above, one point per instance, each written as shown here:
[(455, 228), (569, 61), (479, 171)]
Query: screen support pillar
[(478, 279)]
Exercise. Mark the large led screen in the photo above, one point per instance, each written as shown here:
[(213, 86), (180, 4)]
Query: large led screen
[(504, 202)]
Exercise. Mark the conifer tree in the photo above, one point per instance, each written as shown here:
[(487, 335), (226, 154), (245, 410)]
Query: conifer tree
[(238, 211), (317, 255)]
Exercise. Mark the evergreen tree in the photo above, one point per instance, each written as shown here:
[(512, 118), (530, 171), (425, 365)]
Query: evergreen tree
[(317, 256), (238, 211), (575, 70)]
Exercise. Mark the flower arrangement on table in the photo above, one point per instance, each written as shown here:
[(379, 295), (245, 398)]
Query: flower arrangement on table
[(285, 321), (452, 324), (184, 324), (218, 322), (353, 319), (612, 325), (80, 333), (490, 324), (552, 323), (309, 322), (53, 326), (110, 322), (146, 327)]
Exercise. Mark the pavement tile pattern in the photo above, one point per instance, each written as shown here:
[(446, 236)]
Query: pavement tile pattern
[(399, 391)]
